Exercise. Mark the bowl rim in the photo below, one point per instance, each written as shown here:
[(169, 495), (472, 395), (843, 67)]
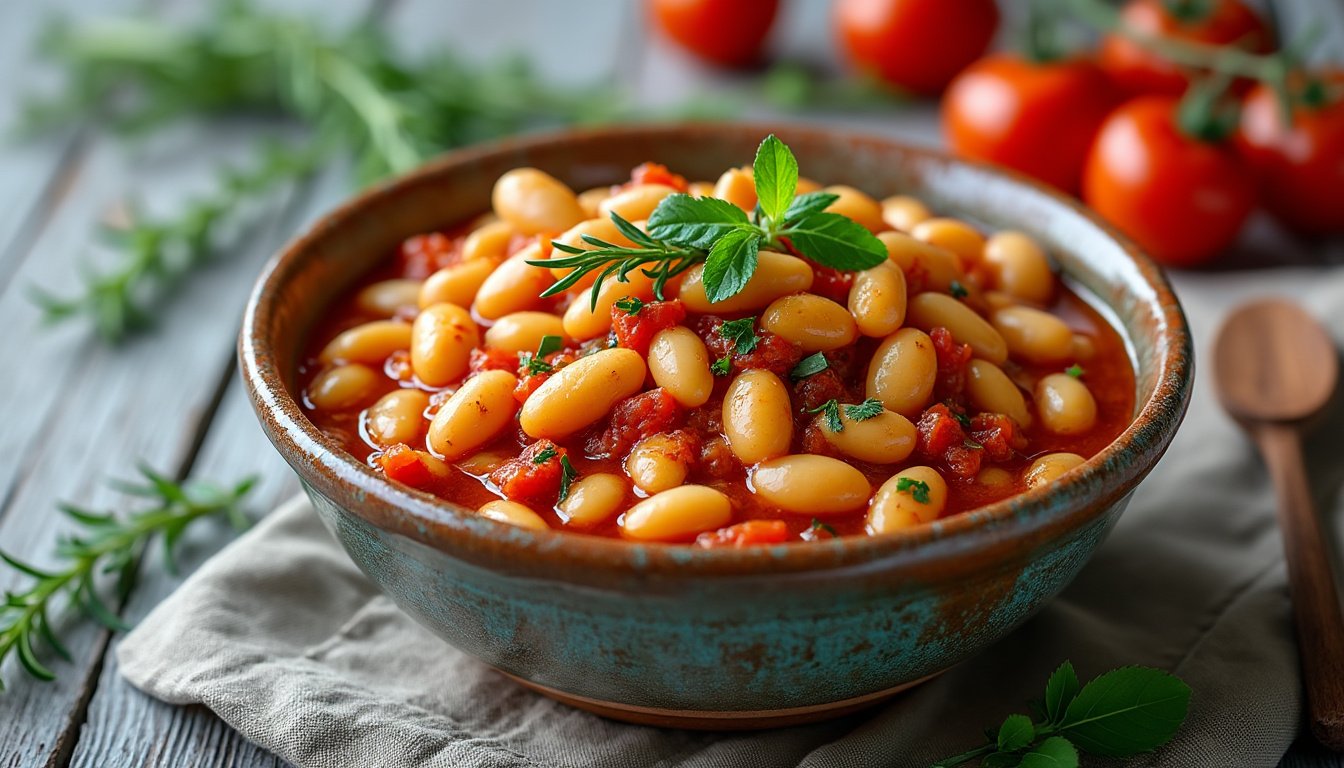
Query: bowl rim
[(1102, 480)]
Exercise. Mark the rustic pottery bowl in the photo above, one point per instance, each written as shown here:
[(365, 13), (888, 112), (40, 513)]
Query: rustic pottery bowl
[(722, 638)]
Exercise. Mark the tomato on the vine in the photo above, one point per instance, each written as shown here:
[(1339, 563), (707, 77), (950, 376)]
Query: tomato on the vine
[(1212, 22), (1299, 167), (1182, 198), (728, 33), (917, 45), (1037, 117)]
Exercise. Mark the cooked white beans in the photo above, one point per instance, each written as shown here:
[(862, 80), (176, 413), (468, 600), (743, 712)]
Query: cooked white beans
[(582, 392), (894, 509), (534, 201), (593, 499), (583, 321), (397, 417), (590, 199), (514, 286), (810, 483), (701, 189), (523, 331), (776, 275), (877, 300), (927, 265), (902, 371), (956, 236), (931, 310), (1048, 468), (737, 186), (677, 513), (634, 203), (1018, 266), (489, 242), (813, 322), (474, 414), (679, 364), (992, 391), (1083, 347), (1065, 405), (343, 387), (656, 464), (512, 513), (369, 343), (903, 212), (994, 477), (1034, 335), (883, 439), (388, 297), (457, 284), (757, 416), (858, 206), (483, 463), (441, 343)]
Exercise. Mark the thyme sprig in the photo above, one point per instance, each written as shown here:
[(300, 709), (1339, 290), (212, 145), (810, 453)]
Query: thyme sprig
[(106, 544)]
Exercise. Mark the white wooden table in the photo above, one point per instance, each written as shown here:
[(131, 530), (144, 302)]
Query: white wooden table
[(74, 411)]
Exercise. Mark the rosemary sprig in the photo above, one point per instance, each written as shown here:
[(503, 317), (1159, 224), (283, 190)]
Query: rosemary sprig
[(107, 544)]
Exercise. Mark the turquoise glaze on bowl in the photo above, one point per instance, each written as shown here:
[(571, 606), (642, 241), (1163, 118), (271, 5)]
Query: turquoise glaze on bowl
[(722, 638)]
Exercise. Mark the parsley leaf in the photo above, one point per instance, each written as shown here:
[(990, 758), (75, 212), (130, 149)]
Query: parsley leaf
[(742, 333), (722, 366), (810, 203), (535, 363), (696, 222), (1075, 370), (918, 489), (870, 408), (567, 476), (545, 455), (630, 305), (731, 263), (958, 290), (836, 241), (776, 174), (812, 364), (830, 412)]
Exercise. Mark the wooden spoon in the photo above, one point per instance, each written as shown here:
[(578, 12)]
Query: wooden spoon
[(1276, 368)]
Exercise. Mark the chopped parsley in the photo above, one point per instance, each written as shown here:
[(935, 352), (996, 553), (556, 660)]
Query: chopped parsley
[(535, 363), (742, 333), (545, 455), (630, 305), (918, 489), (721, 367), (812, 364), (567, 476), (820, 527), (961, 418), (831, 410), (958, 290), (1075, 370), (868, 409)]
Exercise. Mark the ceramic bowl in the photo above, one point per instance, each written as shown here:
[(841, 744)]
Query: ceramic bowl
[(717, 638)]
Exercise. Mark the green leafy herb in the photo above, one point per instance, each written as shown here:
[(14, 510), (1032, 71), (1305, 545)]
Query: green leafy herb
[(630, 305), (808, 204), (830, 413), (722, 367), (106, 544), (535, 363), (742, 333), (567, 476), (696, 222), (812, 364), (918, 489), (831, 410), (655, 259), (836, 241), (1075, 370), (819, 526), (868, 409), (961, 418), (1120, 714), (958, 290), (545, 455), (776, 175)]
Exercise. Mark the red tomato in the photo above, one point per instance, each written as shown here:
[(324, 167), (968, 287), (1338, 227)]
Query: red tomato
[(1215, 22), (1038, 118), (917, 45), (1181, 198), (729, 33), (1299, 167)]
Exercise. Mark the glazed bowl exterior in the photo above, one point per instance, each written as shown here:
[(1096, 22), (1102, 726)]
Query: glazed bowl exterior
[(673, 634)]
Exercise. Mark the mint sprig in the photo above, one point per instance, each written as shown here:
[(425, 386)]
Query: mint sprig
[(1122, 713)]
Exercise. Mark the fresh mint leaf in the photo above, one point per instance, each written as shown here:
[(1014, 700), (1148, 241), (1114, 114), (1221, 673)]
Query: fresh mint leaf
[(1054, 752), (812, 364), (731, 263), (697, 222), (1060, 690), (836, 241), (918, 489), (1015, 733), (776, 174), (868, 409), (808, 204), (1126, 711), (830, 411), (742, 333)]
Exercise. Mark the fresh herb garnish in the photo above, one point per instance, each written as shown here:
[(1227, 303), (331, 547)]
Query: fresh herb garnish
[(684, 231), (958, 290), (818, 525), (106, 544), (961, 418), (831, 410), (742, 333), (918, 489), (722, 367), (868, 409), (1120, 714), (830, 413), (545, 455), (1075, 370), (812, 364), (535, 362), (630, 305), (567, 476)]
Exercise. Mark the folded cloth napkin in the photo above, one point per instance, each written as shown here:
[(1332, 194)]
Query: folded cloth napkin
[(284, 639)]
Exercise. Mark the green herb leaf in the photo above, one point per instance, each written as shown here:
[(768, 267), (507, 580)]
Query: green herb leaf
[(1054, 752), (632, 233), (549, 344), (808, 204), (1015, 733), (721, 367), (730, 264), (545, 455), (818, 525), (776, 174), (1075, 370), (696, 222), (567, 477), (830, 411), (918, 489), (1126, 711), (836, 241), (630, 305), (1060, 690), (812, 364), (1001, 760), (868, 409), (958, 290), (742, 333)]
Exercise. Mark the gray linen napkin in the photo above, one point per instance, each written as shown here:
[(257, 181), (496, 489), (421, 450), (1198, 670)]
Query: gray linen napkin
[(285, 640)]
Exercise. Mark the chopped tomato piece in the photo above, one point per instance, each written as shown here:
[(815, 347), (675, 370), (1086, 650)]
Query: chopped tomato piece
[(953, 360), (831, 283), (636, 331), (1000, 436), (771, 353), (423, 255), (814, 441), (634, 419), (941, 438), (534, 474), (411, 467), (493, 360), (657, 173), (750, 533), (816, 389), (717, 459)]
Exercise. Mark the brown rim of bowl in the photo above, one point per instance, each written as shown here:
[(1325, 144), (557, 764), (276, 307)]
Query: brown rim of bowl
[(1100, 481)]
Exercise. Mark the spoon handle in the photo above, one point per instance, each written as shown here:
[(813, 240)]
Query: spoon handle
[(1316, 600)]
